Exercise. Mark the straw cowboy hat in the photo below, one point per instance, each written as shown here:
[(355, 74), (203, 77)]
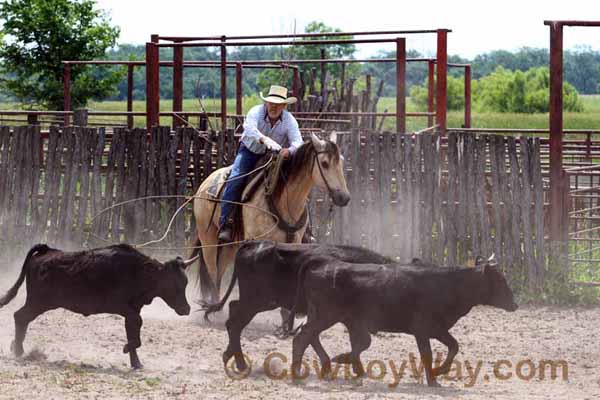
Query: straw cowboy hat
[(278, 95)]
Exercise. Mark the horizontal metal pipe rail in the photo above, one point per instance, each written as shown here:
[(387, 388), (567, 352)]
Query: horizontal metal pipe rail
[(275, 43), (201, 64), (299, 35)]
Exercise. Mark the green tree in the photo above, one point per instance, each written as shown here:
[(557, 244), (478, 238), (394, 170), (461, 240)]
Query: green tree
[(304, 52), (39, 35), (582, 69)]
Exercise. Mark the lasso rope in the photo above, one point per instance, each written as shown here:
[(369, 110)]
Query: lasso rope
[(188, 200)]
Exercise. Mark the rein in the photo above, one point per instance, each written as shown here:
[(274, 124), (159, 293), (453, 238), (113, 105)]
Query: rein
[(291, 229)]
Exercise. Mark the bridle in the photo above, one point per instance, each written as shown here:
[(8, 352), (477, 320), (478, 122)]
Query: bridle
[(316, 160)]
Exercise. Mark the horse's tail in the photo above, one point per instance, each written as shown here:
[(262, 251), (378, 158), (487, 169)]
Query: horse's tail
[(12, 292), (214, 307), (202, 278)]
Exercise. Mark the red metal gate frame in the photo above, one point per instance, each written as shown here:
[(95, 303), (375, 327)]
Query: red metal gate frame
[(558, 184), (152, 60)]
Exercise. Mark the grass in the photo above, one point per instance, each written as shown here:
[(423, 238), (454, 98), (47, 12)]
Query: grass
[(588, 119)]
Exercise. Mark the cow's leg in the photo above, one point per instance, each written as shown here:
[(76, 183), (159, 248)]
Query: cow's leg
[(346, 358), (133, 324), (239, 316), (285, 315), (447, 339), (309, 334), (426, 359), (323, 357), (23, 317), (282, 332), (360, 340)]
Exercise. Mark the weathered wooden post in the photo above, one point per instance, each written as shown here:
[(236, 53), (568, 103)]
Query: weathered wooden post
[(80, 117)]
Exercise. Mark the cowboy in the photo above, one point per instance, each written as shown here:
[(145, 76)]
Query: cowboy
[(268, 126)]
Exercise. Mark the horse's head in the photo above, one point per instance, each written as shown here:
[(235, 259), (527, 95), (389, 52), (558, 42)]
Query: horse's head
[(328, 169)]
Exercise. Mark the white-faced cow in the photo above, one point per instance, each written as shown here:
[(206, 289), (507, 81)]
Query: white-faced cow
[(116, 279)]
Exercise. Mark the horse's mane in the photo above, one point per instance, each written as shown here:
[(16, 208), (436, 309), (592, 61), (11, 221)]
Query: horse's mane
[(301, 161)]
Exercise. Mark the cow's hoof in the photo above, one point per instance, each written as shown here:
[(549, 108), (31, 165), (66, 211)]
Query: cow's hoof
[(16, 350), (342, 359), (434, 384), (126, 348), (325, 372), (358, 370), (137, 365)]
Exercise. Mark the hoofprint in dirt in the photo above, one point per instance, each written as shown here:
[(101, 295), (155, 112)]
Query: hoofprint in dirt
[(70, 356)]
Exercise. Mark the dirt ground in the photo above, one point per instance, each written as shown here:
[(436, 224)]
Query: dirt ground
[(69, 356)]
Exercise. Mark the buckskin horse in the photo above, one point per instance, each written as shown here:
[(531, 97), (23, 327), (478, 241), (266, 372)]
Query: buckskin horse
[(316, 163)]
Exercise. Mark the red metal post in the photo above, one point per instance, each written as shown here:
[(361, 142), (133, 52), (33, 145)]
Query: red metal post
[(177, 85), (400, 85), (130, 95), (150, 94), (238, 89), (67, 91), (556, 133), (467, 96), (442, 70), (223, 85), (431, 91), (156, 79)]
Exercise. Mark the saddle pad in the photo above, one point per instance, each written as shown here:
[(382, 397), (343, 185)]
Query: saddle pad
[(214, 190)]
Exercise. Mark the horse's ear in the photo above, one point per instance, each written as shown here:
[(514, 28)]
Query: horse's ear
[(333, 136), (318, 143)]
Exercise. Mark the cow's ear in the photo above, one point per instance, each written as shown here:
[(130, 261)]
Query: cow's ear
[(487, 268), (181, 263)]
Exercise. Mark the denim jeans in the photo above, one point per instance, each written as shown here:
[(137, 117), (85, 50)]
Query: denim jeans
[(244, 162)]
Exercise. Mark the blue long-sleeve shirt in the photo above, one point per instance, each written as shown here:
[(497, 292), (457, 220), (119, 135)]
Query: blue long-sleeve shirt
[(285, 131)]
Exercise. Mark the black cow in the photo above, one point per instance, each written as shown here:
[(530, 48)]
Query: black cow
[(370, 298), (268, 274), (116, 279)]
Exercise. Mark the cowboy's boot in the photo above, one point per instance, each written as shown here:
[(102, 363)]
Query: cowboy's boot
[(226, 233)]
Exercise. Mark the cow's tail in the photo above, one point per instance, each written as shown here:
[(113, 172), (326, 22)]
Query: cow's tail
[(288, 326), (38, 248), (214, 307)]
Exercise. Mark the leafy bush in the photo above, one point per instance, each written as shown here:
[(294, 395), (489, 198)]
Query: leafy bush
[(520, 92), (504, 91), (455, 94)]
